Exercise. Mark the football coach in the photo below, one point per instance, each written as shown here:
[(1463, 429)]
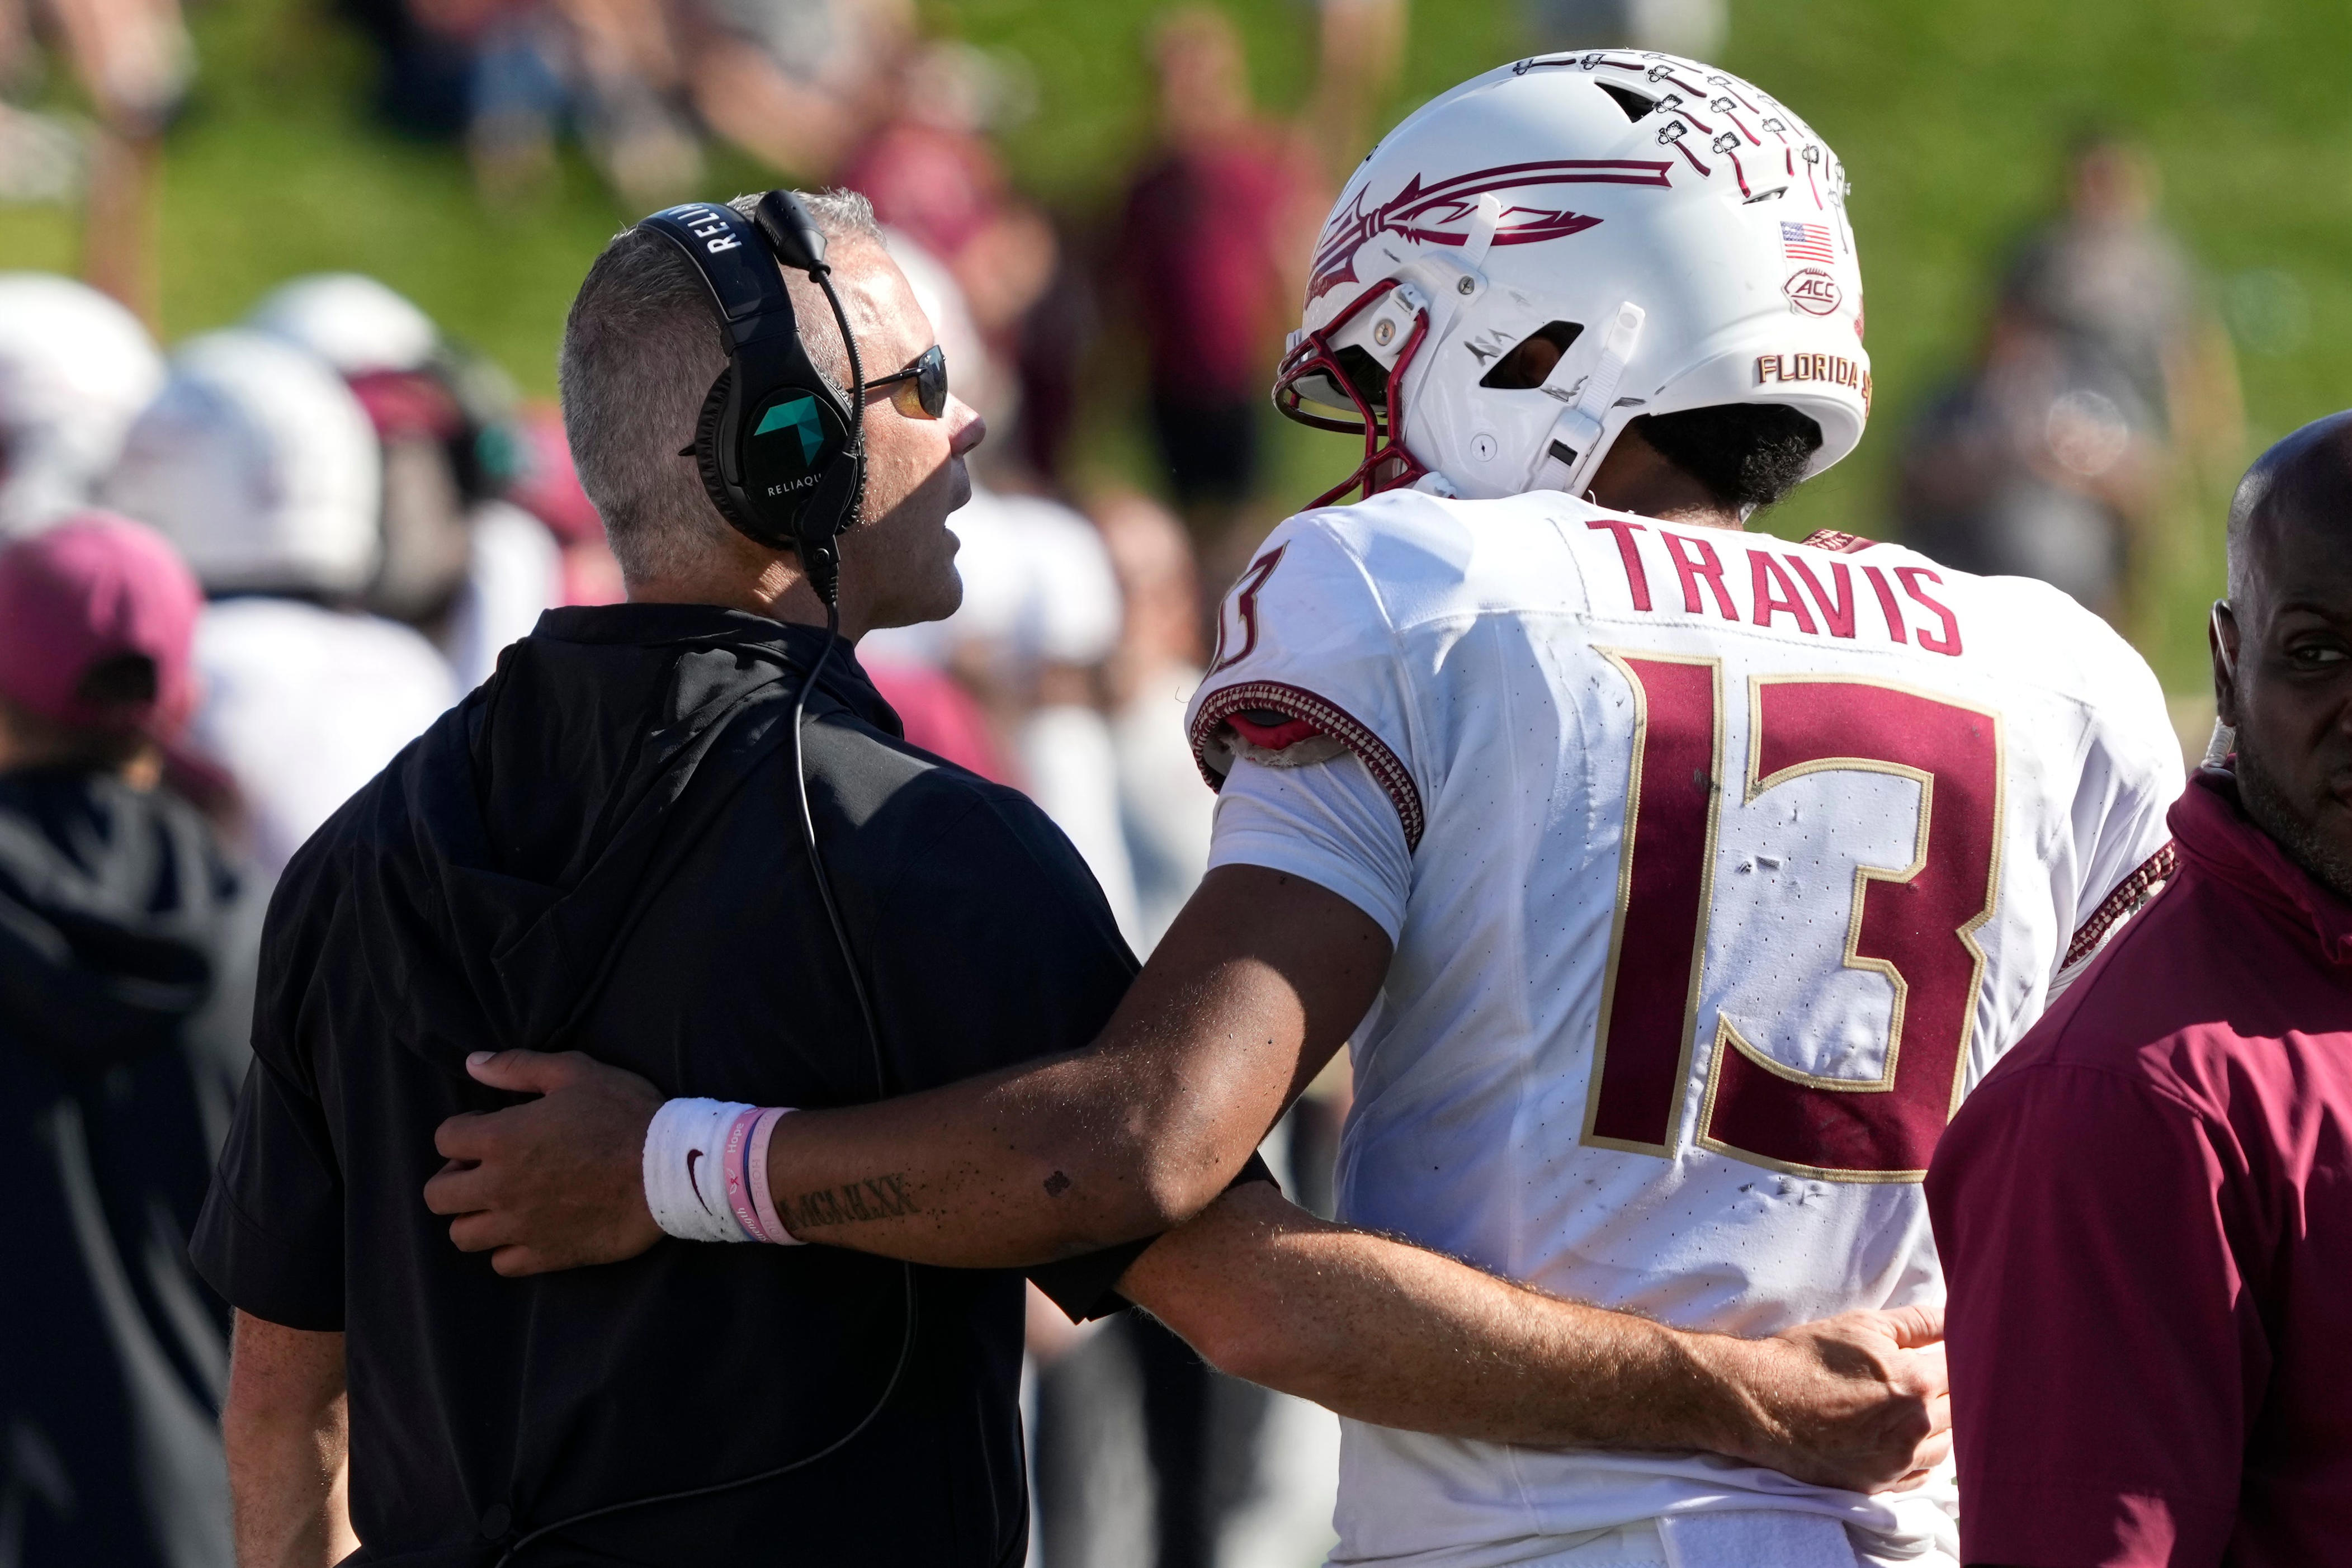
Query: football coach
[(2146, 1209), (605, 850)]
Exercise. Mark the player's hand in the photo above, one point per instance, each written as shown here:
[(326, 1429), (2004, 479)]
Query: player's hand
[(1860, 1401), (556, 1182)]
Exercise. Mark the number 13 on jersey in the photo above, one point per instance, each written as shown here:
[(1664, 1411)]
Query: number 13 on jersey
[(1914, 924)]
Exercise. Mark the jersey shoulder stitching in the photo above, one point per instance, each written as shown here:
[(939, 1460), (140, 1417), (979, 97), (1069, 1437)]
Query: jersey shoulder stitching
[(1332, 720), (2128, 897)]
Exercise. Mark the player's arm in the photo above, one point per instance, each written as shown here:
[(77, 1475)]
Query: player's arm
[(286, 1428), (1255, 986), (1264, 975), (1389, 1333)]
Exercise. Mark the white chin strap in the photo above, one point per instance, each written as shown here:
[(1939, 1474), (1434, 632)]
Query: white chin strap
[(1570, 452)]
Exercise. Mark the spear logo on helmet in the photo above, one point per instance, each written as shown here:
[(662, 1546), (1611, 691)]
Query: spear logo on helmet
[(1424, 213)]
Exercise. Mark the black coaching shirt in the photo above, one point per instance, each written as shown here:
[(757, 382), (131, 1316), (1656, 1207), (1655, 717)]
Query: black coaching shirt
[(599, 850)]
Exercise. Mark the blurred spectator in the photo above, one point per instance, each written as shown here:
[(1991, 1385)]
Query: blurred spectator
[(932, 176), (127, 946), (1040, 617), (133, 62), (459, 563), (1360, 46), (795, 83), (422, 68), (2101, 367), (1051, 343), (260, 464), (1164, 803), (2118, 288), (617, 77), (1215, 226), (507, 76), (2042, 464), (75, 369)]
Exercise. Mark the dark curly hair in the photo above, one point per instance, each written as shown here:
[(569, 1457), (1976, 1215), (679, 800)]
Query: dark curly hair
[(1747, 455)]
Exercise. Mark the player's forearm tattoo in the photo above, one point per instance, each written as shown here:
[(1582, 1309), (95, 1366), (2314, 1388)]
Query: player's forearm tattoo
[(883, 1198)]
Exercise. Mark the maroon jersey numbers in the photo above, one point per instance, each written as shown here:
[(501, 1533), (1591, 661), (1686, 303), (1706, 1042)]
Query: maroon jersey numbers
[(1915, 924), (1243, 640)]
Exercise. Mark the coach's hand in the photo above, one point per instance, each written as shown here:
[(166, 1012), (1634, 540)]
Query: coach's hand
[(556, 1182), (1860, 1401)]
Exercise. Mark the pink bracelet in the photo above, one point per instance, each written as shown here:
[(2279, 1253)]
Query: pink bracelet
[(745, 1161), (763, 1202)]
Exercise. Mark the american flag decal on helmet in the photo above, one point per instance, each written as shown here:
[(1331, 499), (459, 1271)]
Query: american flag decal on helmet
[(1806, 242)]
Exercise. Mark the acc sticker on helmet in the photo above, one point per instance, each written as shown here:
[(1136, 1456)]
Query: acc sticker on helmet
[(1813, 292)]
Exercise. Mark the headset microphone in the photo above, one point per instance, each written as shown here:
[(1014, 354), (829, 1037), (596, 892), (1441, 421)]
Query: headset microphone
[(795, 238)]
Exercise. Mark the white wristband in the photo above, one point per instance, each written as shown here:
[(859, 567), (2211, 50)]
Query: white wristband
[(705, 1171)]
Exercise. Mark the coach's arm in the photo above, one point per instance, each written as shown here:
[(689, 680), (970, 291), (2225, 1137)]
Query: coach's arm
[(286, 1427)]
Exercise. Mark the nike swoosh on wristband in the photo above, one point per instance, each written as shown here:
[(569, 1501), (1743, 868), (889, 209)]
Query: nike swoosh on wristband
[(692, 1156)]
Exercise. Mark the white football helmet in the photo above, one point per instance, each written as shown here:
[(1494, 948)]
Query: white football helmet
[(351, 321), (75, 369), (1680, 230), (260, 464)]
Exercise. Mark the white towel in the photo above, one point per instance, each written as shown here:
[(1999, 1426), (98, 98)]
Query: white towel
[(1755, 1537)]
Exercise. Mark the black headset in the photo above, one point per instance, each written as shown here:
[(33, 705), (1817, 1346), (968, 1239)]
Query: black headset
[(782, 454), (780, 448)]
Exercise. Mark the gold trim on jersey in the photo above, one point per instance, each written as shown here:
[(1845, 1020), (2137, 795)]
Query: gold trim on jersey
[(1631, 817), (1727, 1036)]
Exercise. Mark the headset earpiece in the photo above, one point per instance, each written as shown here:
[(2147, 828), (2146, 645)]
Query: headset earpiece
[(781, 448), (706, 449)]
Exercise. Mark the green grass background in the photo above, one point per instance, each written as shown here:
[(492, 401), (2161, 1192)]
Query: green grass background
[(1951, 116)]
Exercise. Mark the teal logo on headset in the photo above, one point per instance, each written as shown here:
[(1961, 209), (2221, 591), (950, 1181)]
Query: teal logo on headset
[(797, 415), (795, 438)]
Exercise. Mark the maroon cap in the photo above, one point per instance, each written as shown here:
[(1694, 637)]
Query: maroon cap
[(91, 589)]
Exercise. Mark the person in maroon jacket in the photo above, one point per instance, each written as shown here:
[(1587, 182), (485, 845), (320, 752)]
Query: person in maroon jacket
[(2146, 1210)]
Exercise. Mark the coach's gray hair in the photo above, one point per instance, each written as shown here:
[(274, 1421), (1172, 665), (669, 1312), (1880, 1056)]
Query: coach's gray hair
[(641, 348)]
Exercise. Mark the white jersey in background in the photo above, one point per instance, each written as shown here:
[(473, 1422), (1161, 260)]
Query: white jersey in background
[(1718, 868), (303, 705)]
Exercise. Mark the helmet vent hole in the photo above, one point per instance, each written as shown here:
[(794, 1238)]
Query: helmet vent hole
[(1631, 102), (1530, 363)]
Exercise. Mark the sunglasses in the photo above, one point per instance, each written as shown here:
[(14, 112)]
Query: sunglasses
[(919, 391)]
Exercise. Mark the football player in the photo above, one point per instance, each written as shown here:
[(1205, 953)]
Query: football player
[(75, 369), (1674, 882)]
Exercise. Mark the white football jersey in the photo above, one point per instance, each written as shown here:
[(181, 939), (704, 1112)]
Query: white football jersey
[(1718, 869), (303, 705)]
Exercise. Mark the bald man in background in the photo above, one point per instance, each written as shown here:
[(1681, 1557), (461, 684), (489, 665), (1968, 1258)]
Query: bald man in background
[(2146, 1209)]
